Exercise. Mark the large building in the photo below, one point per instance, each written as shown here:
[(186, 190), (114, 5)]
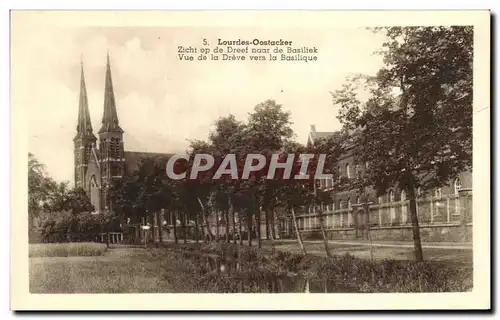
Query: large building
[(444, 214), (97, 163)]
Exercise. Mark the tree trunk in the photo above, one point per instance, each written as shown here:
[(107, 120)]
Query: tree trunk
[(202, 228), (257, 222), (267, 224), (159, 222), (270, 233), (419, 256), (273, 226), (184, 231), (233, 217), (210, 236), (239, 228), (323, 233), (249, 227), (196, 230), (226, 218), (175, 227), (297, 232), (217, 226), (153, 225)]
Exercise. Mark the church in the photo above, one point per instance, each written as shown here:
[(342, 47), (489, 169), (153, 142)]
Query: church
[(98, 163)]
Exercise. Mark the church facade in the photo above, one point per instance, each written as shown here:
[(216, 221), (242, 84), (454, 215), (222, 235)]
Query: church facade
[(99, 160)]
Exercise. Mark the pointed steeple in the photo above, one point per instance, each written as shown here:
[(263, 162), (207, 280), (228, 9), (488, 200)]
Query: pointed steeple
[(109, 117), (84, 126)]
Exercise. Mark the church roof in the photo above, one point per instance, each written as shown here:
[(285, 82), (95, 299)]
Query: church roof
[(133, 158)]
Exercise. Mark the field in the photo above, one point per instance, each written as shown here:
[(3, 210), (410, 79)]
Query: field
[(171, 269)]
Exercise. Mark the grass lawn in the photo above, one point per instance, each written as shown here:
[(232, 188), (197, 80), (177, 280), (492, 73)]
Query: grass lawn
[(165, 270), (379, 253), (117, 271)]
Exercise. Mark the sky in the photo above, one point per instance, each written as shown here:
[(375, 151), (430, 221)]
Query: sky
[(163, 102)]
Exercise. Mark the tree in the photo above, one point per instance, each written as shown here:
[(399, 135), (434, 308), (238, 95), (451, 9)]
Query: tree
[(40, 187), (415, 130), (268, 131), (227, 137)]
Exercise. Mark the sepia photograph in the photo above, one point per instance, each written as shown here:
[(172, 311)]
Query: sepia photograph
[(322, 153)]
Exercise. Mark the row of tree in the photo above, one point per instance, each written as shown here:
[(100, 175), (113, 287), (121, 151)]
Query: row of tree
[(267, 131)]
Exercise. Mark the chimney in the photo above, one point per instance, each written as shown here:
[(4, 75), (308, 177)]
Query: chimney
[(313, 129)]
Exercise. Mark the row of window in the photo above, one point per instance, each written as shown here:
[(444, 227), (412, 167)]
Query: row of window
[(341, 204), (328, 183), (435, 211)]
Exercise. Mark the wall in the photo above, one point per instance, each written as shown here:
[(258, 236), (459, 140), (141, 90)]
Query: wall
[(446, 218)]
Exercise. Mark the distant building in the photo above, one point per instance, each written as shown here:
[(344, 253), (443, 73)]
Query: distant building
[(445, 214)]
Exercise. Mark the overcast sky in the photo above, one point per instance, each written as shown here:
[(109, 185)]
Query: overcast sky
[(162, 101)]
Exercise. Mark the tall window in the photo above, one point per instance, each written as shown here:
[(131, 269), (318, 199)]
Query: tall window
[(458, 185), (348, 171), (115, 148), (341, 204), (380, 199), (357, 170), (437, 193), (87, 154), (392, 208)]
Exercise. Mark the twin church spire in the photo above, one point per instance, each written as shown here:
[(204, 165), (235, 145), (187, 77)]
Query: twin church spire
[(110, 117)]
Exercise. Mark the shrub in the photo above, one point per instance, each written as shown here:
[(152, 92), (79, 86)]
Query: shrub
[(66, 249)]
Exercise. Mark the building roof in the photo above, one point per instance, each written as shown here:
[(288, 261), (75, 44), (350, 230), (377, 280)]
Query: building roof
[(133, 158), (316, 135)]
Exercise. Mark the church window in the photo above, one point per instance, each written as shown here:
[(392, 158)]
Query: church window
[(115, 148), (87, 154)]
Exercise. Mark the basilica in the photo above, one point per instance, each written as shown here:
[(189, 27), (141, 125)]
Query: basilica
[(97, 163)]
